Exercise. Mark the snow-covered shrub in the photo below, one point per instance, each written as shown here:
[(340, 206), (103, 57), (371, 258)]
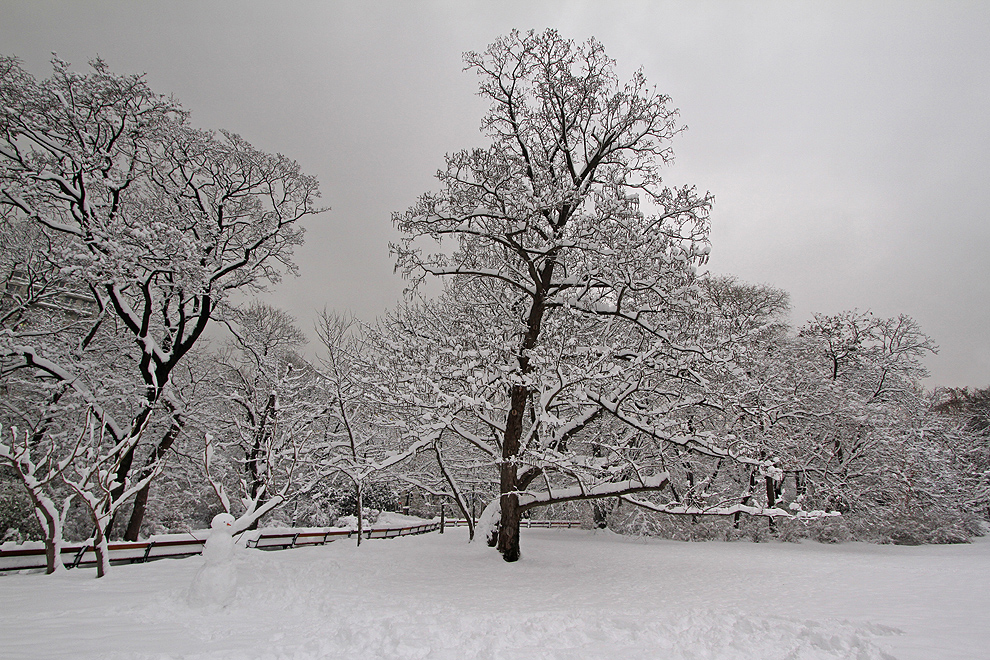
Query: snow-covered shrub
[(315, 511), (635, 521), (17, 520), (792, 531), (830, 530), (924, 527), (379, 496), (351, 522)]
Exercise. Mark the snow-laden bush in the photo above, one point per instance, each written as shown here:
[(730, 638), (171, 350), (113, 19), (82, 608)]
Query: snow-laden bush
[(634, 521), (915, 527), (381, 496), (351, 522), (17, 521)]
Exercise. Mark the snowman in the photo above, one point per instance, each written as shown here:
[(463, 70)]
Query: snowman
[(216, 581)]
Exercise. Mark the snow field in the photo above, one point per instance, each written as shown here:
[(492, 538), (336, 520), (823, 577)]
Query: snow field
[(575, 594)]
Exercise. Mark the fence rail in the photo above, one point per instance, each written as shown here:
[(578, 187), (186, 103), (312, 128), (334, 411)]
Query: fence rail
[(298, 539), (132, 552), (525, 522)]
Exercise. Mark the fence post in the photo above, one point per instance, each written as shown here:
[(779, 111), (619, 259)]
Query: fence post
[(441, 517), (147, 551), (79, 556)]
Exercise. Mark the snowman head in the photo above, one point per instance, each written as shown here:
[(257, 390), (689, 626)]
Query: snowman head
[(222, 521)]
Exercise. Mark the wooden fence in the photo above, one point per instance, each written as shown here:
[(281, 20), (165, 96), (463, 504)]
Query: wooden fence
[(525, 522), (131, 552), (281, 540), (175, 546)]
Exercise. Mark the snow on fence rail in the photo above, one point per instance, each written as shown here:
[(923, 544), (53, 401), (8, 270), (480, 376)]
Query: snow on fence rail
[(297, 538), (525, 522), (32, 555)]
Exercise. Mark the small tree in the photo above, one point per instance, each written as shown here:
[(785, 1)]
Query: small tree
[(361, 441), (93, 477), (39, 465), (270, 402)]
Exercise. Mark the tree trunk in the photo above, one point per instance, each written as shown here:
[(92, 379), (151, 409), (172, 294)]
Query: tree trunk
[(51, 525), (141, 500), (137, 514), (53, 552), (508, 531), (772, 501), (102, 551), (127, 459), (360, 512), (53, 542)]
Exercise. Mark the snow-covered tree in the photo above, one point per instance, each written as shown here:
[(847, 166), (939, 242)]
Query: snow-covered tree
[(155, 221), (38, 465), (839, 409), (969, 413), (563, 233), (268, 414), (363, 440)]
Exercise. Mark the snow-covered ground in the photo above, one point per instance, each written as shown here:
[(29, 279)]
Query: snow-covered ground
[(575, 594)]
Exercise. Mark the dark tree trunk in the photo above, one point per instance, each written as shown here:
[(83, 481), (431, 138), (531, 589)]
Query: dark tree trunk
[(256, 456), (141, 499), (772, 491), (360, 511), (49, 557), (137, 514), (599, 512), (53, 533), (745, 500), (508, 531)]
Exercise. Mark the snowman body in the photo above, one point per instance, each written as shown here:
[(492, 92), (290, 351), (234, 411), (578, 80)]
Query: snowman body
[(216, 581)]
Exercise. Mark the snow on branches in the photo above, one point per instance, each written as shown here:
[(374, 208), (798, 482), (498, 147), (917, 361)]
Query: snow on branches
[(151, 224), (572, 297)]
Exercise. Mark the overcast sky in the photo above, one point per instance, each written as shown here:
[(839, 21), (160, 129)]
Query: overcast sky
[(846, 143)]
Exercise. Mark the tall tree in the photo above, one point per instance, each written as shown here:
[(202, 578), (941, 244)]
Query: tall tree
[(562, 231), (158, 222)]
